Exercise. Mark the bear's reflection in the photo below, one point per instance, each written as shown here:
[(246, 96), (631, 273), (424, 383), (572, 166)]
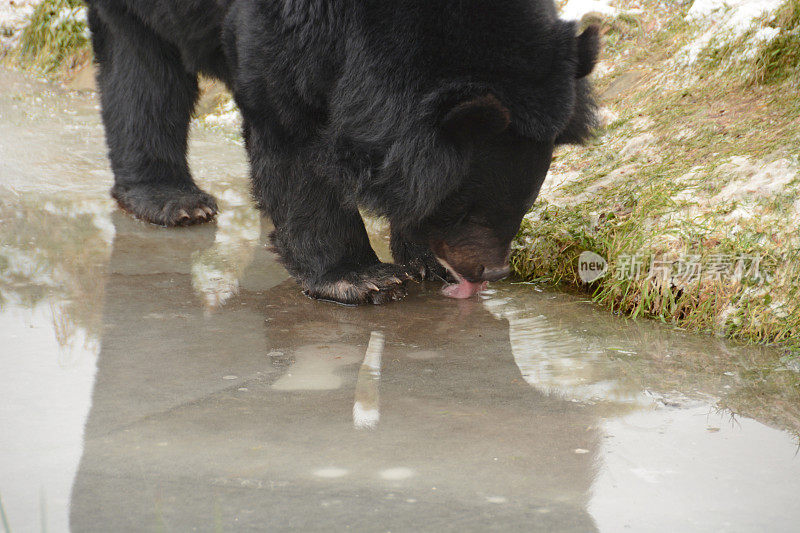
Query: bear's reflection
[(244, 417)]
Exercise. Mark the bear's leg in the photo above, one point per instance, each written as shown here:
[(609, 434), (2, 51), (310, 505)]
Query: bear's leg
[(419, 259), (324, 245), (147, 98), (319, 235)]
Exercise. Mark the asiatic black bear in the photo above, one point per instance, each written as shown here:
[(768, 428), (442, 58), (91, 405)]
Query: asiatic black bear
[(440, 115)]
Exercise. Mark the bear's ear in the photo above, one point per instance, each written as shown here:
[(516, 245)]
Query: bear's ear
[(479, 118), (588, 50)]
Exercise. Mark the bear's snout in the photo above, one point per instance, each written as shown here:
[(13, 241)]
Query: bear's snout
[(496, 274), (475, 262), (482, 273)]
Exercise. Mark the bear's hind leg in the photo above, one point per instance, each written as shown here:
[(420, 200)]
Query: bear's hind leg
[(147, 99)]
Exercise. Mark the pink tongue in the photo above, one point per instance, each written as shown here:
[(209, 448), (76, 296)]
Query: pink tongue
[(463, 289)]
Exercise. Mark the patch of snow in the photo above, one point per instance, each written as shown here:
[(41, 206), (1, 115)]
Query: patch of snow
[(556, 181), (227, 117), (686, 196), (725, 316), (703, 8), (70, 14), (779, 309), (13, 17), (740, 13), (638, 145), (727, 20), (744, 211), (765, 35), (577, 9), (608, 181), (761, 38), (691, 176), (642, 123), (689, 193), (231, 120), (756, 178), (12, 12), (606, 116), (601, 69)]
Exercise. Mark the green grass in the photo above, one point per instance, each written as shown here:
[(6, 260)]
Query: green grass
[(780, 59), (700, 117), (52, 42)]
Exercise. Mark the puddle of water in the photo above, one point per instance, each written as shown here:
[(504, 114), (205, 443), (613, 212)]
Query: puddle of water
[(176, 378)]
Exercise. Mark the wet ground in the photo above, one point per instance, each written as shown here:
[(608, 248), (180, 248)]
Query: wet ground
[(177, 380)]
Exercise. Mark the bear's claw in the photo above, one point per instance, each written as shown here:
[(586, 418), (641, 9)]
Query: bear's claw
[(378, 284)]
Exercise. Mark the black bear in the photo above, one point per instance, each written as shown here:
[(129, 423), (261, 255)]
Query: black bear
[(440, 115)]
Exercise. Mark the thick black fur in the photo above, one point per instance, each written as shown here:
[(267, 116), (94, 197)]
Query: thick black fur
[(439, 115)]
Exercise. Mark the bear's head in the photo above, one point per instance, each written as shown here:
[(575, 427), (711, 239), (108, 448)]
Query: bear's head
[(509, 144), (471, 231)]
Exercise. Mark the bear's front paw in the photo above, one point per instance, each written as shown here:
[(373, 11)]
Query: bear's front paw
[(377, 284), (166, 205)]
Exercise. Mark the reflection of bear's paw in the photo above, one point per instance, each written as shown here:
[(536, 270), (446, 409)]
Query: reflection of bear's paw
[(166, 205), (377, 284)]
